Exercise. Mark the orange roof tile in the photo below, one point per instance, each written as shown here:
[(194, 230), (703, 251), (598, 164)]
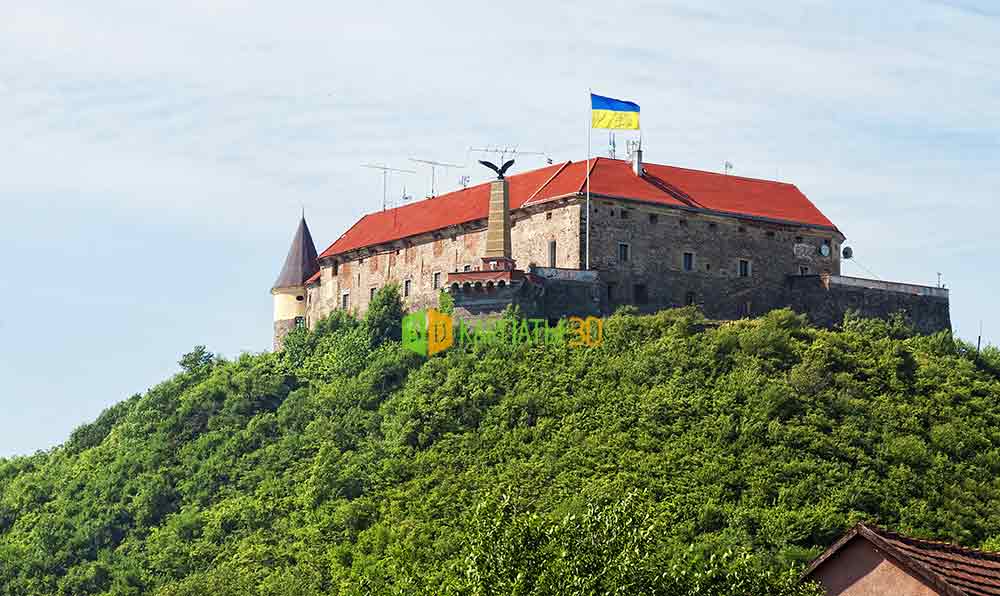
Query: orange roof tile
[(664, 185)]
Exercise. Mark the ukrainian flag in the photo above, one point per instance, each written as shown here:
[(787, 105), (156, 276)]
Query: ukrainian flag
[(613, 113)]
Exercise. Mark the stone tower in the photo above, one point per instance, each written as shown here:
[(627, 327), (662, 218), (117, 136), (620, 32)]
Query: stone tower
[(289, 290)]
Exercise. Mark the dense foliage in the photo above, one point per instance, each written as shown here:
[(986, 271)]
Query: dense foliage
[(677, 458)]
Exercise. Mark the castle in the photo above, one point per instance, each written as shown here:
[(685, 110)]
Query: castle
[(655, 237)]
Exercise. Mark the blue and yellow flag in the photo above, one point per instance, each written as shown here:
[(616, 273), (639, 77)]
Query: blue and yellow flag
[(613, 113)]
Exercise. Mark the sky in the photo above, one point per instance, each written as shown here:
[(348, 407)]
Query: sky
[(156, 156)]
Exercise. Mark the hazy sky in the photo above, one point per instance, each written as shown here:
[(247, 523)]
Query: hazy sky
[(155, 155)]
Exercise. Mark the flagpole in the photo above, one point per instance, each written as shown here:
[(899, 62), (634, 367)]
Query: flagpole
[(590, 129)]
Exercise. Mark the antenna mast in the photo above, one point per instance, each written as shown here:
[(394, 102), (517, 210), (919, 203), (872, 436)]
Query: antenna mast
[(385, 178), (434, 166)]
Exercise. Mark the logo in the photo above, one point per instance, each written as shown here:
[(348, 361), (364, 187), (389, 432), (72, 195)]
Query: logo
[(428, 332)]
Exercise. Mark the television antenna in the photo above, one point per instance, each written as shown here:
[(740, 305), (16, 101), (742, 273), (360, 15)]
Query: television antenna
[(385, 177), (502, 151), (434, 166), (728, 166)]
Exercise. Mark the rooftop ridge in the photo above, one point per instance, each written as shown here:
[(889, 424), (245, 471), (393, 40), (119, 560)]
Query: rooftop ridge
[(977, 553)]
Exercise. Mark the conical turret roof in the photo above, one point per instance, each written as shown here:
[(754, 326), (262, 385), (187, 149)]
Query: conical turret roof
[(300, 264)]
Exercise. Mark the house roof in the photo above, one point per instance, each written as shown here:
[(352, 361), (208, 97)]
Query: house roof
[(953, 570), (662, 185), (300, 264)]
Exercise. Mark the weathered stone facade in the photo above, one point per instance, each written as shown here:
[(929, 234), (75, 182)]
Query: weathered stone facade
[(640, 251), (459, 248)]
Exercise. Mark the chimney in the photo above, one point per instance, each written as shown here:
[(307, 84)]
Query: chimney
[(498, 225), (637, 161)]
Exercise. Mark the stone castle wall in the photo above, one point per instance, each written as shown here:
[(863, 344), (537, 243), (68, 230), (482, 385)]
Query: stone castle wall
[(784, 267), (657, 239), (825, 300), (450, 250)]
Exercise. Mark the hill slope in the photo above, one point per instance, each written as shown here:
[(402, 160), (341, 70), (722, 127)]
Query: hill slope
[(346, 465)]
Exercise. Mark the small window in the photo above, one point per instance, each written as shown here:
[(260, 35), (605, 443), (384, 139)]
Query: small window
[(689, 299), (803, 271), (744, 268), (682, 222), (552, 253), (654, 218), (624, 213), (436, 281), (798, 239), (345, 300), (548, 215), (336, 267), (467, 268), (371, 294), (300, 322), (300, 298), (688, 261), (741, 229), (770, 233), (612, 212), (640, 293), (623, 252), (712, 225), (406, 288)]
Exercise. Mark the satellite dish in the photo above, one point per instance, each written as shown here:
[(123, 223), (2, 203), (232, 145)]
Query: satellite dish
[(824, 250), (848, 252)]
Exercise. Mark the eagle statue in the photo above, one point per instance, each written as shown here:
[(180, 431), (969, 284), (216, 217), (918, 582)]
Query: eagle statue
[(501, 170)]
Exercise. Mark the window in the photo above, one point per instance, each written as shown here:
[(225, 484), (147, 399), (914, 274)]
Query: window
[(548, 215), (612, 212), (770, 233), (689, 261), (682, 222), (467, 268), (689, 299), (371, 294), (712, 225), (552, 253), (623, 252), (300, 322), (741, 229), (406, 288), (624, 213), (345, 300), (803, 270), (744, 268), (336, 267), (300, 298), (437, 280), (798, 239), (640, 293)]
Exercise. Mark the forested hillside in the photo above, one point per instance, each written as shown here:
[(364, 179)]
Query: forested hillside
[(676, 458)]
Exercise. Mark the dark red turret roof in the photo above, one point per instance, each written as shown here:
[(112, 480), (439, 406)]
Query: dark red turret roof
[(663, 185)]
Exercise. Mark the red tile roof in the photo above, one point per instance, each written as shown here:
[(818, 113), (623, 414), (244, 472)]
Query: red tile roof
[(951, 569), (664, 185)]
